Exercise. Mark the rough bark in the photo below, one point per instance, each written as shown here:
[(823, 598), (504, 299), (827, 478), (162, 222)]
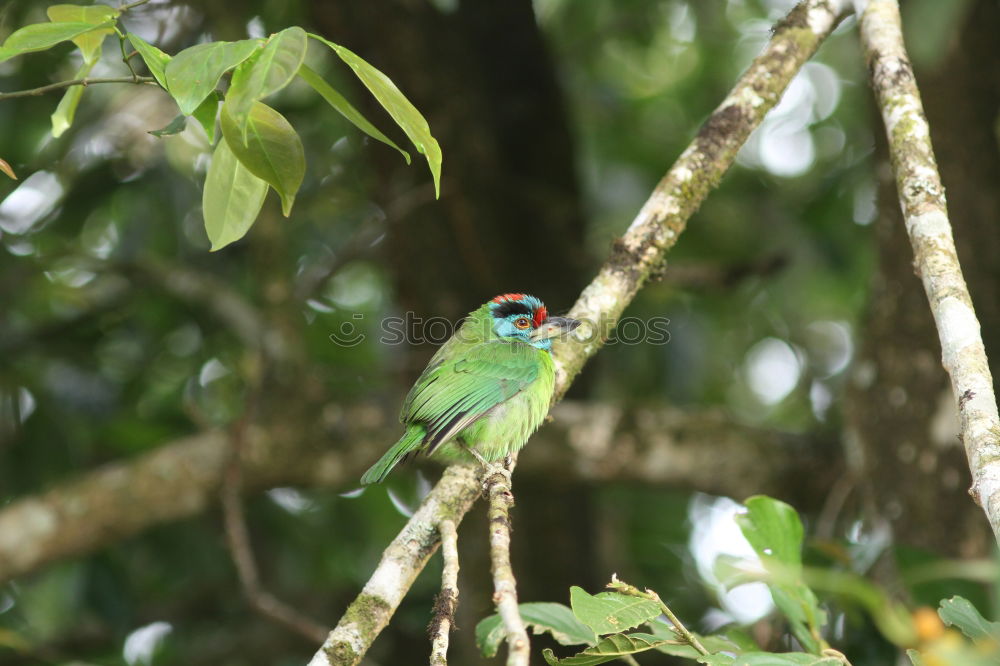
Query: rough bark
[(901, 415)]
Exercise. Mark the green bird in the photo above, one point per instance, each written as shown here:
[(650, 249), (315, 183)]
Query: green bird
[(485, 390)]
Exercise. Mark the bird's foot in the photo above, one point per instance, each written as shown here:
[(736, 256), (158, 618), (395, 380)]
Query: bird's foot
[(492, 469)]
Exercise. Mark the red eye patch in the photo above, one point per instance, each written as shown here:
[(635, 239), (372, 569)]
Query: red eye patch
[(541, 314)]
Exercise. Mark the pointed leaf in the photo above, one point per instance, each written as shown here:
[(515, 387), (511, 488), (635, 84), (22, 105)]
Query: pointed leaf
[(232, 198), (194, 72), (553, 618), (206, 113), (400, 108), (342, 106), (272, 150), (608, 649), (915, 657), (89, 43), (63, 116), (42, 36), (155, 59), (611, 612), (774, 530), (959, 612), (271, 69), (5, 169), (176, 126)]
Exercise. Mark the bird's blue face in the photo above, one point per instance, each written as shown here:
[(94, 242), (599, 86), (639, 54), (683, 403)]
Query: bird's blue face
[(524, 318)]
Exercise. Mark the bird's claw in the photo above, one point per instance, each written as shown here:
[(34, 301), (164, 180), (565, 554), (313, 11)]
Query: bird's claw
[(492, 469)]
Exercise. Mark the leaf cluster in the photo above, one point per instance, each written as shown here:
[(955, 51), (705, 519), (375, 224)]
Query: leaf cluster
[(258, 148)]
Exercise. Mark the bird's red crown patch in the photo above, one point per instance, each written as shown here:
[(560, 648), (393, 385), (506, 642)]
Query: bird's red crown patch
[(541, 314)]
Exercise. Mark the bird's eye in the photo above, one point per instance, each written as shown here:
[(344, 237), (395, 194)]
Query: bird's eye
[(522, 323)]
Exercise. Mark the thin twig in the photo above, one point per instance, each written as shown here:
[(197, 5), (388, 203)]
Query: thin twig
[(501, 500), (132, 5), (447, 600), (238, 540), (631, 590), (922, 199), (405, 557), (75, 82)]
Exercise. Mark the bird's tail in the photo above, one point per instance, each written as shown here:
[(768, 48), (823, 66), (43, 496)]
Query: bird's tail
[(407, 444)]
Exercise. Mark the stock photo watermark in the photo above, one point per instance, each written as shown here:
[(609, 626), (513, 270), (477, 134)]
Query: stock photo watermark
[(411, 329)]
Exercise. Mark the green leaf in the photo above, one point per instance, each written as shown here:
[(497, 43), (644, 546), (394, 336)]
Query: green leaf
[(205, 114), (271, 69), (542, 617), (715, 643), (915, 657), (611, 612), (774, 530), (342, 106), (176, 126), (89, 43), (400, 108), (232, 198), (63, 116), (959, 612), (608, 649), (194, 72), (41, 36), (271, 149), (155, 59)]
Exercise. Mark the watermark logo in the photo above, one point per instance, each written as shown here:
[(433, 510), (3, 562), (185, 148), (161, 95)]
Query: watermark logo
[(411, 329)]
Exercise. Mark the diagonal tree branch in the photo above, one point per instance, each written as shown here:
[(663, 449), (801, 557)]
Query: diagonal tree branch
[(921, 196), (635, 256)]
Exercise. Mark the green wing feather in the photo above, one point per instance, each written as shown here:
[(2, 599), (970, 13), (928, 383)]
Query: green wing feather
[(456, 390), (460, 385)]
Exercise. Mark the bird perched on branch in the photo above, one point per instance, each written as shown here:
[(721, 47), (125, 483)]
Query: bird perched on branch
[(485, 390)]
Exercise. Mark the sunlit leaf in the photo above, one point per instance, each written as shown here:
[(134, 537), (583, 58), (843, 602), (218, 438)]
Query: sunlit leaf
[(959, 612), (345, 108), (542, 617), (194, 72), (400, 108), (89, 43), (270, 148), (232, 198), (41, 36), (155, 59), (608, 649), (176, 126), (270, 70), (611, 612), (62, 117), (915, 657), (774, 530), (5, 168), (205, 115)]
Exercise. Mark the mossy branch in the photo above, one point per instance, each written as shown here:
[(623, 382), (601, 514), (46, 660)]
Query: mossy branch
[(921, 197), (635, 257)]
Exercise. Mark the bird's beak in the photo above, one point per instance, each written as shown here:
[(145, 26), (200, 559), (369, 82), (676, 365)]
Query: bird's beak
[(553, 327)]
